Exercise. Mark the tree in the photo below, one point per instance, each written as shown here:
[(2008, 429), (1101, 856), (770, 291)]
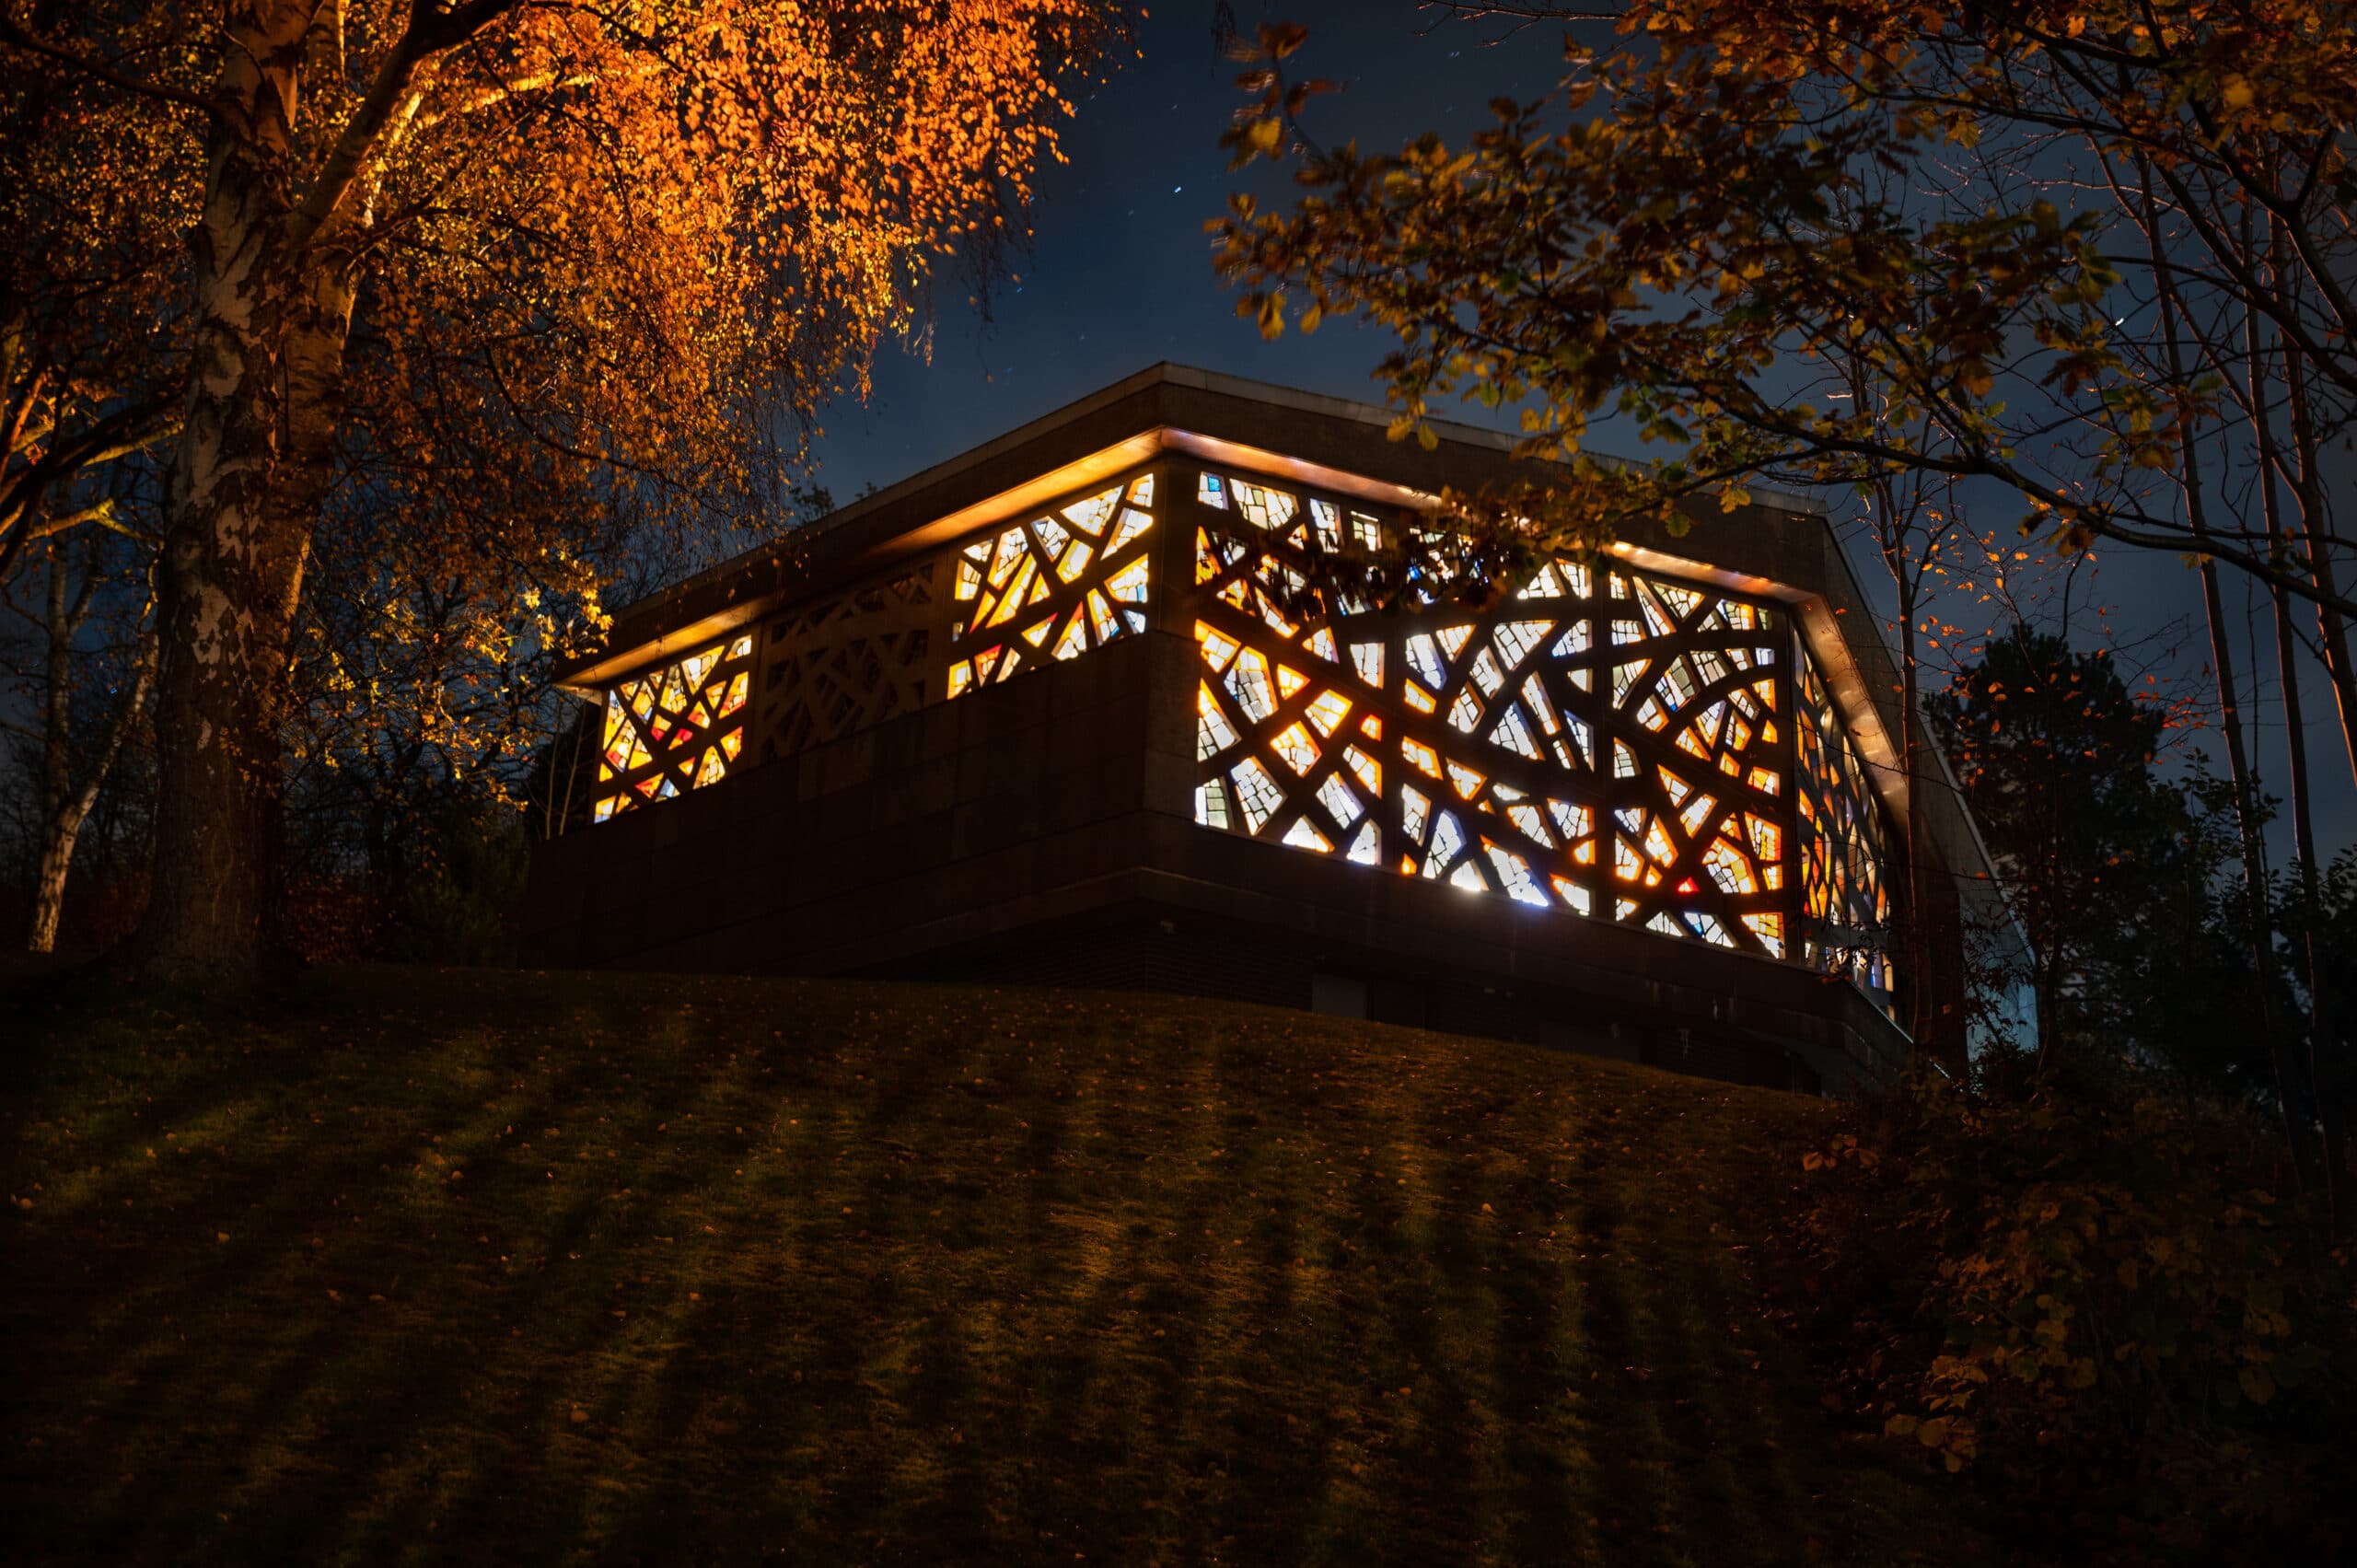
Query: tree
[(2056, 755), (82, 585), (88, 274), (1985, 204), (515, 255)]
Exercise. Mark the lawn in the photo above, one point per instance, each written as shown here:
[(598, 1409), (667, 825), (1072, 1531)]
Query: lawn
[(487, 1267)]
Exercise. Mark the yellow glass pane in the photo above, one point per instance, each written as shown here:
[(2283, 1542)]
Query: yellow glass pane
[(1369, 771), (1100, 618), (1141, 491), (1729, 868), (1327, 711), (1075, 560), (1293, 744), (1074, 642), (1420, 757), (1011, 601), (1468, 783), (1290, 680)]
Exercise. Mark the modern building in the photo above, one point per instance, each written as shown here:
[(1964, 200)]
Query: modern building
[(1090, 706)]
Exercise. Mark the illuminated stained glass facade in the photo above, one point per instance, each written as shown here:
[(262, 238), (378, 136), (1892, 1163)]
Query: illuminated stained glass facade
[(1845, 893), (1054, 587), (1605, 741), (674, 728)]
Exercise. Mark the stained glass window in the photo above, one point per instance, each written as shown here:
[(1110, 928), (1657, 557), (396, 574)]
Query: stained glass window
[(1607, 742), (1842, 846), (1054, 587), (673, 729)]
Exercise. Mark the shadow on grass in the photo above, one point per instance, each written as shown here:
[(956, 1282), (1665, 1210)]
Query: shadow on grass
[(557, 1268)]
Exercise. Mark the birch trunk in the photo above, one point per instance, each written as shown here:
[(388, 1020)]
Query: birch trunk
[(238, 526), (69, 808)]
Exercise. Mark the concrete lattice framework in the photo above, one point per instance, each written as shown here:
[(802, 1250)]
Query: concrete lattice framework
[(1643, 740)]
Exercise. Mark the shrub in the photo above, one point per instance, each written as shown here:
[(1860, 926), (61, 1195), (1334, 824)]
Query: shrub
[(2102, 1308)]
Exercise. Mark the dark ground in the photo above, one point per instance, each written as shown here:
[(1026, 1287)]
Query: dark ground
[(492, 1267)]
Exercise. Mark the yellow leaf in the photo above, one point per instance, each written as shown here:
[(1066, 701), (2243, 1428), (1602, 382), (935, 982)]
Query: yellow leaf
[(2238, 95)]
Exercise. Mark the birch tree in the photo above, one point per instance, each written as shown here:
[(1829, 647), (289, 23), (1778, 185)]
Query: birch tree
[(614, 245)]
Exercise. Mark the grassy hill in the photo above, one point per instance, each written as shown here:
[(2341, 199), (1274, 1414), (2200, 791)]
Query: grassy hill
[(497, 1267)]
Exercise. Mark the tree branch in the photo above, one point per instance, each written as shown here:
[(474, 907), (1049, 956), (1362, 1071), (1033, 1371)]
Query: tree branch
[(14, 32)]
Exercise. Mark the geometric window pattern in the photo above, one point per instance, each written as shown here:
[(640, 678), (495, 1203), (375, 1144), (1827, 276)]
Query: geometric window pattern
[(674, 729), (1054, 587), (1612, 742), (1607, 741), (846, 663), (1845, 905)]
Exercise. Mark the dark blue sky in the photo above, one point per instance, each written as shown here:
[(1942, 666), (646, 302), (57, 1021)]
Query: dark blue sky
[(1119, 278)]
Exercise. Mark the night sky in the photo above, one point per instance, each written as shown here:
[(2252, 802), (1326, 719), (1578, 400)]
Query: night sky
[(1119, 278)]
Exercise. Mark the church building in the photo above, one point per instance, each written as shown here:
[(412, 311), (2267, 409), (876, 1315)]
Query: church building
[(1071, 709)]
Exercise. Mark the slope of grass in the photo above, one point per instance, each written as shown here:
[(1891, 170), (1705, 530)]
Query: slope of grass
[(510, 1267)]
